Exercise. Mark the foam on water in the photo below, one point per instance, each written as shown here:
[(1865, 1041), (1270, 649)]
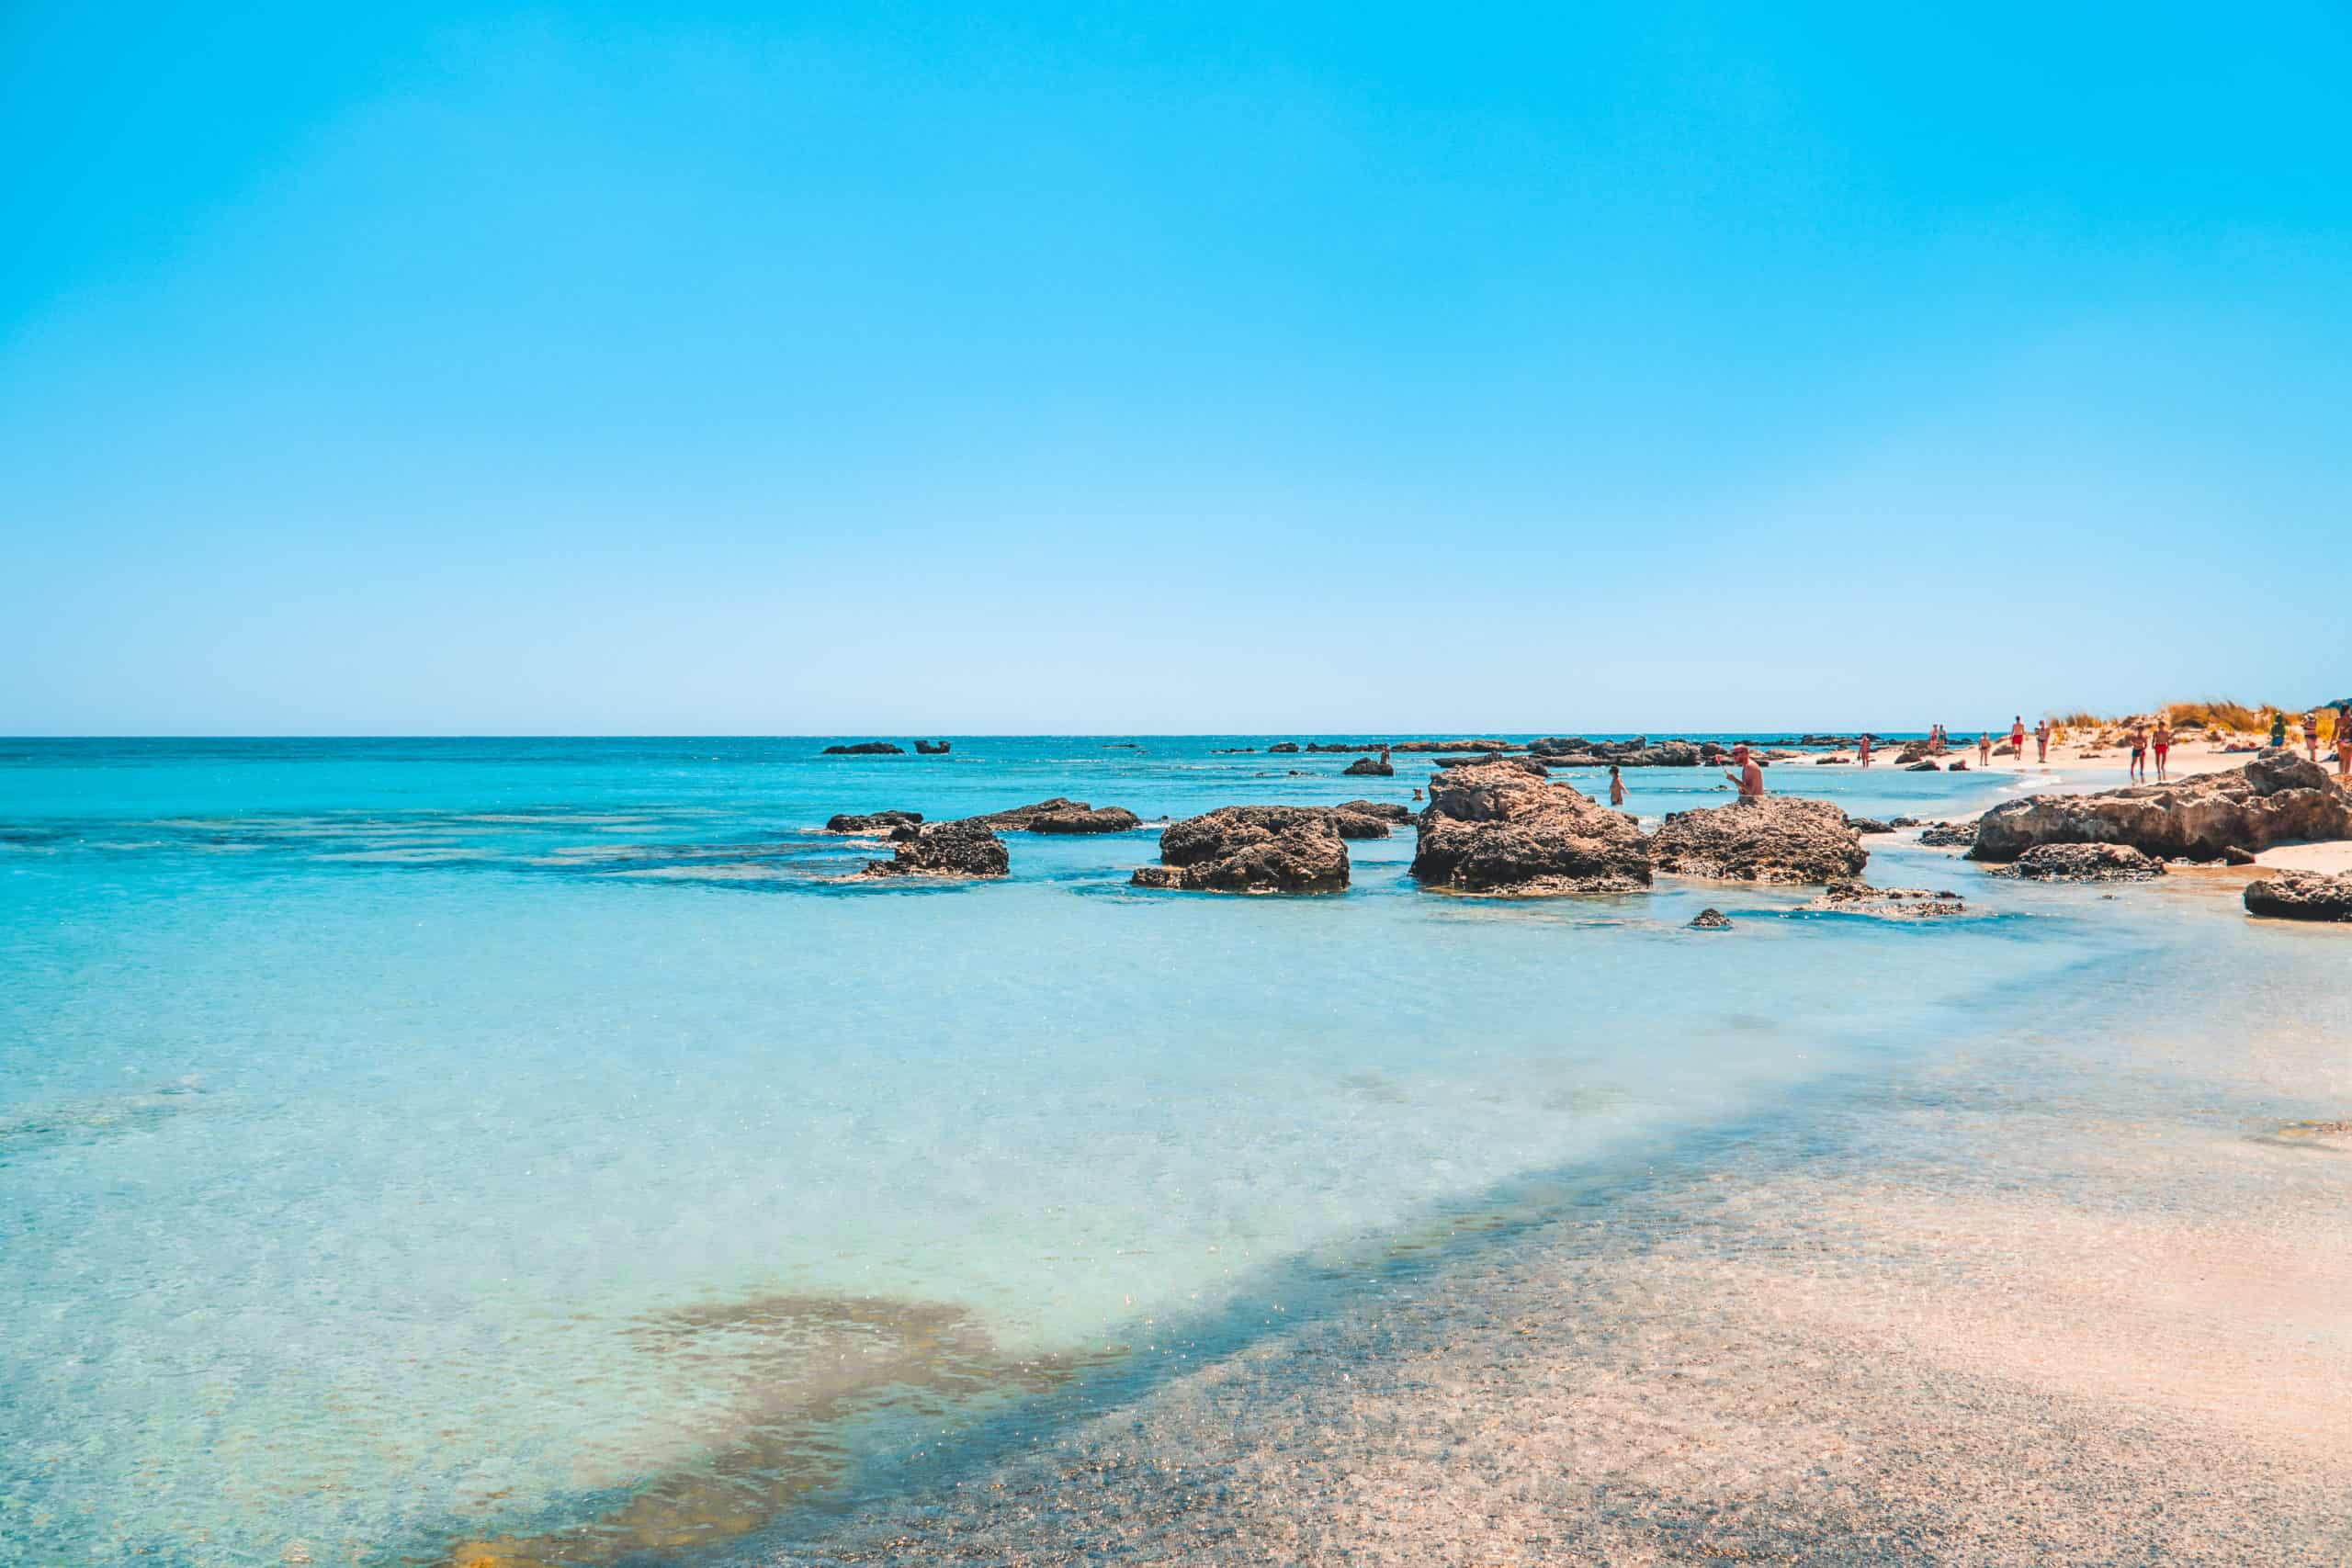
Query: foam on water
[(405, 1143)]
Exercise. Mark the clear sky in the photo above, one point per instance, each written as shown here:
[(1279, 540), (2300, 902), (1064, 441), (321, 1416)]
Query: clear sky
[(884, 368)]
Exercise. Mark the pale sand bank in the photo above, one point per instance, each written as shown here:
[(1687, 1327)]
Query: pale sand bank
[(2037, 1337)]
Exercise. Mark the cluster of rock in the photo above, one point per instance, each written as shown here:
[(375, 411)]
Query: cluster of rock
[(1887, 902), (1575, 751), (2301, 896), (942, 848), (872, 821), (934, 748), (1776, 840), (1501, 825), (1376, 767), (1059, 815), (1257, 848), (866, 748), (2083, 863), (2276, 799)]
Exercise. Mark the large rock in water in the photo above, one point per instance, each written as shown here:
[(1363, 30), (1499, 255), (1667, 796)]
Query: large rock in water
[(1778, 840), (866, 748), (1497, 828), (871, 821), (2301, 896), (1083, 819), (2277, 799), (2083, 863), (934, 748), (1377, 767), (943, 849), (1018, 818), (1253, 849), (1389, 811)]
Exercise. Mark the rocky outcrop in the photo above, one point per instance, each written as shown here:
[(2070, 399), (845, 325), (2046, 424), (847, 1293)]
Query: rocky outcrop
[(1575, 751), (1912, 752), (1887, 902), (1373, 767), (1251, 849), (1283, 746), (1949, 835), (866, 748), (1017, 819), (934, 748), (1083, 819), (1923, 766), (1868, 824), (1776, 840), (1710, 921), (1490, 746), (871, 821), (2301, 896), (1494, 826), (2277, 799), (1386, 811), (943, 849), (2083, 863)]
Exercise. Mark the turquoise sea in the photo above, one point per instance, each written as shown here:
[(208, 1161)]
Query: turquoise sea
[(411, 1143)]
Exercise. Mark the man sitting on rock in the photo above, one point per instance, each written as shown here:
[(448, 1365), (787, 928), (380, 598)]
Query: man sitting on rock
[(1750, 777)]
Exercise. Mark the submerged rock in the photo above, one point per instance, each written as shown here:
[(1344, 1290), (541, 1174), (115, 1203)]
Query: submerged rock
[(1889, 903), (1779, 839), (871, 821), (1378, 767), (1868, 825), (1251, 849), (943, 849), (2301, 896), (866, 748), (934, 748), (1950, 835), (2083, 863), (1283, 746), (2276, 799), (1710, 921), (1389, 811), (1501, 827)]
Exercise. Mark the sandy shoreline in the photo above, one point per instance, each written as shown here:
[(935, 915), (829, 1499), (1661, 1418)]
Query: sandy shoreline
[(1994, 1334)]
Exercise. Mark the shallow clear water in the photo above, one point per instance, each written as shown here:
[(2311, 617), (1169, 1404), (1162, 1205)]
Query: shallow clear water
[(403, 1142)]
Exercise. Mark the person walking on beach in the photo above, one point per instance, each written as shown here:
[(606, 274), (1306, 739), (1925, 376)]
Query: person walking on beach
[(2040, 743), (1750, 777), (1866, 751), (2163, 746), (1983, 749), (2139, 754), (2016, 738), (2311, 734), (1616, 787)]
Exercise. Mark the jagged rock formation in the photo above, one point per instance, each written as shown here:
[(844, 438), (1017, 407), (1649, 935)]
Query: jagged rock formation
[(1083, 819), (1949, 835), (866, 748), (1374, 767), (1710, 921), (1868, 824), (2277, 799), (934, 748), (1776, 840), (943, 849), (1501, 826), (1017, 819), (2083, 863), (2301, 896), (871, 821), (1253, 849), (1387, 811)]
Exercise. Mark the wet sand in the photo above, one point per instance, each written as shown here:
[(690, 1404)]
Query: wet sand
[(1955, 1327)]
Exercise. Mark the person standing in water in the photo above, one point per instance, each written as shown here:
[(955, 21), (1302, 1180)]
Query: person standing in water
[(1750, 777), (1616, 787)]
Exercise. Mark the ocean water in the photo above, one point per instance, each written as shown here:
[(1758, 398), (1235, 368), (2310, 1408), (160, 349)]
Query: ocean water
[(406, 1145)]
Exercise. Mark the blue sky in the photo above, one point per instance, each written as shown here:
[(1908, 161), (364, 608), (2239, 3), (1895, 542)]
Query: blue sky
[(412, 369)]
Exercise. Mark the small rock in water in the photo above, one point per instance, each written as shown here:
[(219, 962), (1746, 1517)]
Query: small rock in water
[(1710, 921)]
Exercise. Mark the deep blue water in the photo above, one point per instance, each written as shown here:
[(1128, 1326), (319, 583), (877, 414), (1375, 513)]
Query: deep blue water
[(405, 1141)]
